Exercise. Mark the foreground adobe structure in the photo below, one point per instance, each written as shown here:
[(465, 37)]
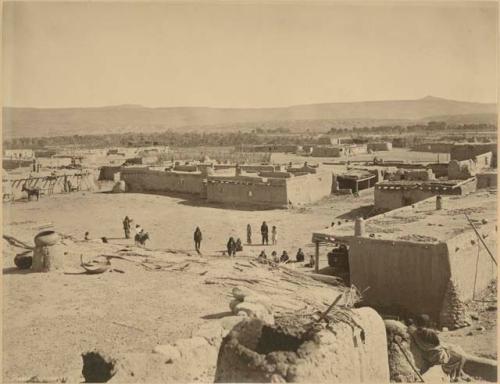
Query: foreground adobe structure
[(422, 260)]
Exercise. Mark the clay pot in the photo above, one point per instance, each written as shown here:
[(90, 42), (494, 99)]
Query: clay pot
[(46, 256), (46, 238), (24, 260)]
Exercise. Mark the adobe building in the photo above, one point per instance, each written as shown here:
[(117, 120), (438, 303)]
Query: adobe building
[(379, 146), (285, 148), (420, 259), (270, 189), (391, 195), (354, 180), (463, 169), (434, 147), (466, 151), (328, 151), (144, 179)]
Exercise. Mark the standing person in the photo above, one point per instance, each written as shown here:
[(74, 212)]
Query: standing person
[(197, 239), (264, 230), (274, 235), (249, 234), (126, 226), (231, 247)]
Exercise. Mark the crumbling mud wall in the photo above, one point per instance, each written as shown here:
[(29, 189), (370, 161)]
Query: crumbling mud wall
[(400, 277), (309, 188), (147, 180), (346, 352), (461, 170)]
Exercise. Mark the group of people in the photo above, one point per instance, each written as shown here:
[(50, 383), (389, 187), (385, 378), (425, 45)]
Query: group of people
[(284, 258), (264, 231), (140, 236)]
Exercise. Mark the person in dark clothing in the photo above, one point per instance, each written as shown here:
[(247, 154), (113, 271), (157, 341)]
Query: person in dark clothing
[(239, 246), (300, 256), (126, 226), (264, 230), (284, 257), (231, 247), (197, 239)]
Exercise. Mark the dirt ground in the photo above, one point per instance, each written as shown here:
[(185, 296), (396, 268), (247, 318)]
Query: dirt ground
[(49, 319)]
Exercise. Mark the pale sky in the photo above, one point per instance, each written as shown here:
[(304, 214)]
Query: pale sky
[(253, 54)]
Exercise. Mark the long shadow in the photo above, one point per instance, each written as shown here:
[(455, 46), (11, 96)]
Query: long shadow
[(233, 207), (16, 271), (218, 315), (364, 211)]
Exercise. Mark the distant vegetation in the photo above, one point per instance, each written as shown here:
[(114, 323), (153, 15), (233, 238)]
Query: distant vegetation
[(217, 139)]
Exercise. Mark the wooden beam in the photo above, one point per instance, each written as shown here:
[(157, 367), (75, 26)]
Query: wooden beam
[(316, 257)]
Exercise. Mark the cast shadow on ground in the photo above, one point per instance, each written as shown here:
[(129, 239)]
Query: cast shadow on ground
[(16, 271), (364, 211), (219, 315), (232, 207)]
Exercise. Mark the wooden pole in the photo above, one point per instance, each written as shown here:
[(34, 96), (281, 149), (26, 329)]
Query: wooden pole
[(316, 261), (481, 239)]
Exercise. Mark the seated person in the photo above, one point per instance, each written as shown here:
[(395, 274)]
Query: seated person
[(262, 256), (239, 246), (451, 358), (274, 256), (284, 257), (311, 262), (300, 256)]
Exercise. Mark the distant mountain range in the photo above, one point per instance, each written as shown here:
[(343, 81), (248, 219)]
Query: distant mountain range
[(36, 122)]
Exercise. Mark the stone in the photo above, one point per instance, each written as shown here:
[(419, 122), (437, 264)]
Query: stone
[(169, 351), (480, 328), (474, 316)]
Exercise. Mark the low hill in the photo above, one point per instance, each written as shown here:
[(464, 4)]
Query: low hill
[(33, 122)]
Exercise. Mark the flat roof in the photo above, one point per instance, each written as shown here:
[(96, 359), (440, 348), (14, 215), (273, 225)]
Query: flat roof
[(423, 223)]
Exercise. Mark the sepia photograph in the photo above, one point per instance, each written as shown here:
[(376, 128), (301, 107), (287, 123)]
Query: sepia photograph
[(254, 191)]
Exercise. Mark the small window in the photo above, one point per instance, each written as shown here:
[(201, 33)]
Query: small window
[(250, 194)]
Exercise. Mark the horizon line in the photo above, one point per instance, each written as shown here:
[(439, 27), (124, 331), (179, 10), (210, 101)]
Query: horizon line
[(133, 105)]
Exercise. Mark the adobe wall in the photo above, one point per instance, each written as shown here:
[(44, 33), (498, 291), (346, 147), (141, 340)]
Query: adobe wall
[(389, 199), (401, 276), (384, 146), (327, 151), (486, 179), (483, 161), (146, 180), (461, 170), (341, 353), (357, 149), (271, 193), (309, 188), (108, 172), (471, 150), (463, 253), (439, 169), (433, 147)]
